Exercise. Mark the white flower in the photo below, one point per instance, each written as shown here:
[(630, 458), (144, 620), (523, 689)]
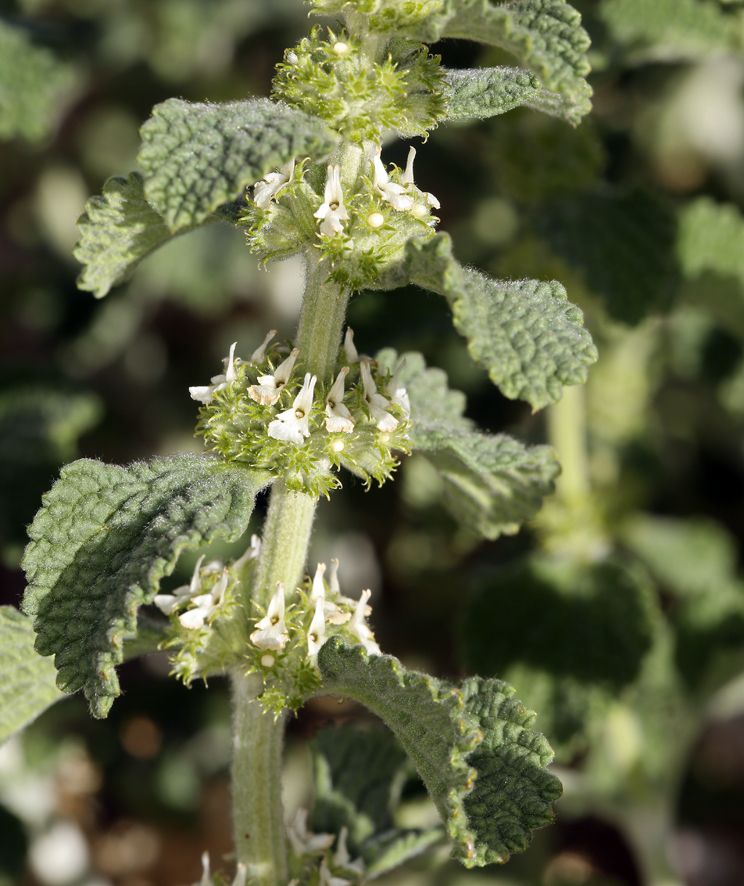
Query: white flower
[(341, 857), (392, 193), (204, 393), (272, 184), (206, 605), (304, 842), (251, 554), (332, 211), (269, 387), (292, 425), (376, 403), (316, 632), (398, 395), (166, 603), (271, 631), (360, 630), (206, 879), (352, 355), (333, 585), (259, 354), (240, 876), (327, 879), (318, 589), (331, 612), (407, 179), (338, 417)]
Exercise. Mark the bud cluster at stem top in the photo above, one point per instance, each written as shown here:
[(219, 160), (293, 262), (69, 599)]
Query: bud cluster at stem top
[(265, 413)]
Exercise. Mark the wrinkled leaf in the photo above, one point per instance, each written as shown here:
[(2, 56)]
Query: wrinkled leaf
[(104, 538), (492, 482), (526, 333), (27, 680), (197, 157), (473, 747)]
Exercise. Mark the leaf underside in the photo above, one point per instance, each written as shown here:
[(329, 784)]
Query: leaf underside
[(197, 157), (473, 747), (526, 333), (492, 482), (102, 541)]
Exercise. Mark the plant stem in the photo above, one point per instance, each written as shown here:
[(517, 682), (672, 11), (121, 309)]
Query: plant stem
[(256, 785), (567, 432)]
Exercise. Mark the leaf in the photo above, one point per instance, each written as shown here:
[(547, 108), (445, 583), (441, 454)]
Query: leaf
[(32, 81), (117, 230), (669, 30), (624, 244), (104, 538), (27, 681), (486, 92), (359, 777), (526, 333), (711, 238), (492, 483), (197, 157), (473, 747), (571, 636)]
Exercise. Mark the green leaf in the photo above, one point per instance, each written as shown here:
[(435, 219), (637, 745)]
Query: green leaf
[(526, 333), (359, 777), (473, 747), (493, 483), (624, 244), (711, 238), (117, 230), (32, 81), (104, 538), (197, 157), (27, 681), (572, 635), (669, 30)]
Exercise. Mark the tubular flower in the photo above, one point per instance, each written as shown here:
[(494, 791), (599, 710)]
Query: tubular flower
[(271, 630), (360, 630), (304, 842), (376, 403), (166, 603), (316, 632), (391, 192), (352, 355), (338, 417), (269, 387), (341, 857), (204, 393), (332, 211), (206, 605), (267, 189), (398, 395), (292, 425), (259, 354), (251, 554), (407, 179)]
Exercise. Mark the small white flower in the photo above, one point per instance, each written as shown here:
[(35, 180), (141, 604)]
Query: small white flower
[(292, 425), (360, 630), (352, 355), (392, 193), (204, 393), (271, 631), (251, 554), (206, 879), (331, 612), (304, 842), (266, 190), (333, 585), (338, 417), (407, 179), (318, 589), (332, 211), (259, 354), (205, 605), (240, 876), (327, 879), (341, 857), (316, 632), (166, 603), (269, 387), (398, 395), (376, 403)]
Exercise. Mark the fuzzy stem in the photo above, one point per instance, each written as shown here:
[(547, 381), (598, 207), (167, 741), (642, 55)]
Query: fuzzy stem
[(567, 432)]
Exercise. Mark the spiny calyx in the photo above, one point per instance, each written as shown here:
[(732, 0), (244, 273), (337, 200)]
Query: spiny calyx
[(266, 414)]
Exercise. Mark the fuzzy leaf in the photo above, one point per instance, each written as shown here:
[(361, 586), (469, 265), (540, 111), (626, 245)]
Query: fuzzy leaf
[(486, 92), (711, 238), (473, 747), (197, 157), (526, 333), (117, 230), (104, 538), (359, 776), (493, 483), (31, 82), (27, 680)]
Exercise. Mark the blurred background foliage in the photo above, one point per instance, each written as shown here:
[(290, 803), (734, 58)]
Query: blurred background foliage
[(618, 616)]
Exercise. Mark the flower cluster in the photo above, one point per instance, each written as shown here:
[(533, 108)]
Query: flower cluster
[(286, 640), (360, 229), (272, 417), (359, 96), (313, 861), (384, 15), (203, 632)]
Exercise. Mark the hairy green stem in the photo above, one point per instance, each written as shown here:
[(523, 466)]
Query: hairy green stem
[(567, 432)]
